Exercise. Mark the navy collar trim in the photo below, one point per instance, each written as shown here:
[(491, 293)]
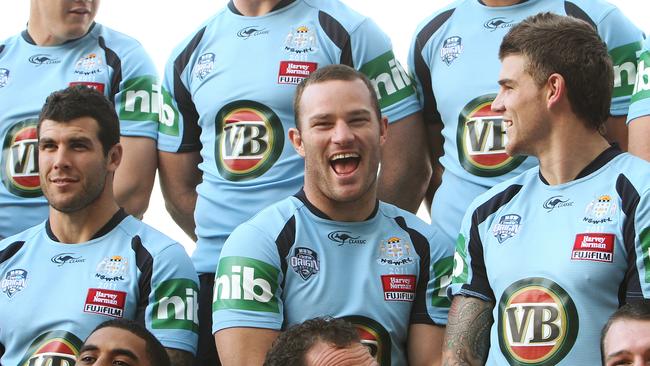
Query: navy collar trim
[(603, 158), (303, 198), (110, 225)]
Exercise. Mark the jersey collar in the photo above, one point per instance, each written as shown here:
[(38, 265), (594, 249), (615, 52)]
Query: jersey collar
[(280, 5), (603, 158), (303, 198), (30, 40), (517, 3), (110, 225)]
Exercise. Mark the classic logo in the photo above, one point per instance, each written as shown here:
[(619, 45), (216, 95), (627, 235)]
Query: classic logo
[(595, 247), (43, 59), (538, 322), (300, 42), (113, 269), (89, 65), (293, 72), (395, 252), (55, 348), (601, 210), (249, 139), (452, 47), (4, 77), (342, 237), (392, 83), (204, 66), (481, 140), (508, 226), (251, 31), (305, 262), (556, 202), (624, 61), (399, 287), (177, 305), (63, 258), (14, 281), (246, 284), (442, 272), (20, 160), (497, 23), (97, 86), (374, 336), (105, 302)]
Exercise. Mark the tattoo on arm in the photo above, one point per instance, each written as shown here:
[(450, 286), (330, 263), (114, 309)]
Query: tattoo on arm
[(179, 357), (467, 339)]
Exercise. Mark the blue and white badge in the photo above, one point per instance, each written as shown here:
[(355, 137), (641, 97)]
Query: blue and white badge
[(14, 281), (4, 77), (507, 227), (204, 66), (305, 262), (451, 49)]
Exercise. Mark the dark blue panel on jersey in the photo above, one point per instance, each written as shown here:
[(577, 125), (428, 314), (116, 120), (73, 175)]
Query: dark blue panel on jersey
[(9, 251), (339, 36), (630, 289)]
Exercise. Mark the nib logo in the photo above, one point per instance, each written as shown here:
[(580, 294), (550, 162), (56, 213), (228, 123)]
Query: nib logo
[(247, 284), (176, 305)]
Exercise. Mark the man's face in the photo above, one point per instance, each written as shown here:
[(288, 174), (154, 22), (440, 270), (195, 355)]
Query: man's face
[(340, 138), (72, 166), (64, 20), (325, 354), (113, 346), (521, 101), (627, 343)]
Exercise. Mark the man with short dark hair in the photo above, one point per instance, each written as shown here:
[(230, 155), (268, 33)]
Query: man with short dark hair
[(319, 341), (334, 248), (89, 261), (61, 46), (125, 341), (625, 339), (543, 258)]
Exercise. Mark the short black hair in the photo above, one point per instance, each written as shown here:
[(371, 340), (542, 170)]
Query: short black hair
[(290, 348), (155, 350), (633, 311), (80, 101)]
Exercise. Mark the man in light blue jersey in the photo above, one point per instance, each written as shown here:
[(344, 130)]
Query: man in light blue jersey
[(453, 59), (639, 116), (334, 249), (544, 258), (62, 46), (89, 261), (228, 88)]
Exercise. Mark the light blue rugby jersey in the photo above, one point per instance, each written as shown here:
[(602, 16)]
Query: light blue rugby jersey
[(557, 260), (230, 91), (454, 60), (104, 59), (641, 98), (52, 295), (291, 263)]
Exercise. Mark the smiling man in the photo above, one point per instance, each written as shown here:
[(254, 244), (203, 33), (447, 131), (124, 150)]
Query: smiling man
[(63, 46), (544, 258), (90, 261), (333, 248)]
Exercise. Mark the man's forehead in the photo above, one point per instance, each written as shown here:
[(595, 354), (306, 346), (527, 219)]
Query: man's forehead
[(78, 126)]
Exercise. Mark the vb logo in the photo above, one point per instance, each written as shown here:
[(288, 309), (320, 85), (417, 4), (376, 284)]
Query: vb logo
[(245, 283), (20, 160), (538, 322)]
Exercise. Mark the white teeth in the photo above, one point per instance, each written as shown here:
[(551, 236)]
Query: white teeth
[(344, 156)]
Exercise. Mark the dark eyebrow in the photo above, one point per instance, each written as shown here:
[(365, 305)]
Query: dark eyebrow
[(612, 355), (505, 81), (116, 351), (88, 347)]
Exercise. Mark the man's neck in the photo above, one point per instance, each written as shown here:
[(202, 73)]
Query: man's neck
[(80, 226), (497, 3), (353, 211), (255, 8), (565, 157)]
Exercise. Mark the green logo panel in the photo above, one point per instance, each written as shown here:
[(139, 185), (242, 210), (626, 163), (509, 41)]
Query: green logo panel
[(443, 272), (168, 116), (644, 238), (140, 101), (624, 61), (176, 305), (460, 272), (391, 82), (642, 86), (246, 284)]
